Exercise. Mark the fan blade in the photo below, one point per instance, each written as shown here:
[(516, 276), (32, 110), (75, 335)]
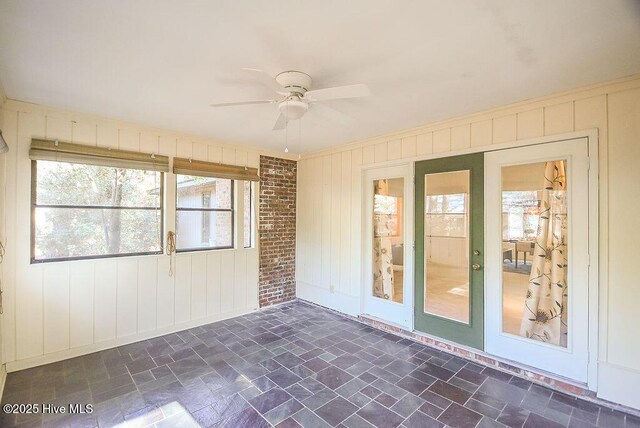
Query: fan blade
[(242, 103), (267, 80), (281, 123), (349, 91)]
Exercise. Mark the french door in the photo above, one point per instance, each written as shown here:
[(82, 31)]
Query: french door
[(387, 242), (537, 212), (449, 248)]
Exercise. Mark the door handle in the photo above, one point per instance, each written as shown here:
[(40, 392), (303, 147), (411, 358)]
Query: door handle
[(476, 266)]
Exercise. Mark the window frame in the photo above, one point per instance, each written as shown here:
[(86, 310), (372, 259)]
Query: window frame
[(232, 210), (34, 205), (252, 216)]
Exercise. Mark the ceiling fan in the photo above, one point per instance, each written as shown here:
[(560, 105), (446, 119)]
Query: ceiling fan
[(296, 95)]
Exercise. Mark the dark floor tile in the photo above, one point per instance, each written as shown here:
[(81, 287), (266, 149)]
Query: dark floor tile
[(345, 361), (245, 418), (496, 374), (269, 400), (316, 364), (431, 409), (451, 392), (386, 400), (412, 385), (610, 418), (502, 391), (482, 408), (459, 417), (307, 419), (336, 411), (289, 423), (333, 377), (536, 421), (283, 377), (288, 360), (379, 416), (319, 399), (283, 411), (471, 376), (421, 420), (513, 416), (436, 399), (436, 371), (407, 405), (367, 377)]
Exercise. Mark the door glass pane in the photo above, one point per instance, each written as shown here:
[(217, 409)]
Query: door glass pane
[(388, 239), (534, 251), (446, 244)]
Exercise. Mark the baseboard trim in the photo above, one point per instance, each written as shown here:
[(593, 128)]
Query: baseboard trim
[(27, 363), (342, 303)]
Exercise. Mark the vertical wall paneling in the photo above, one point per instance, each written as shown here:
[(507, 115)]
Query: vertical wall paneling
[(394, 149), (252, 278), (481, 133), (198, 285), (84, 132), (129, 139), (368, 154), (214, 154), (127, 297), (184, 149), (424, 144), (380, 152), (107, 134), (240, 280), (317, 213), (504, 129), (9, 122), (29, 293), (461, 137), (81, 302), (356, 221), (104, 309), (530, 124), (182, 273), (228, 155), (325, 261), (558, 118), (59, 128), (200, 151), (165, 293), (213, 283), (442, 140), (149, 142), (409, 146), (147, 293), (227, 272), (336, 189), (345, 221), (56, 308)]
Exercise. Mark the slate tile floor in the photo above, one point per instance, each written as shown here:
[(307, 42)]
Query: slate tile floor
[(290, 366)]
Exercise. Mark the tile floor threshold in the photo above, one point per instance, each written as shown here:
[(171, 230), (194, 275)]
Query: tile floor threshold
[(291, 365)]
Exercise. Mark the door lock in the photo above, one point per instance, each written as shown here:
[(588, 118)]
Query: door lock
[(476, 266)]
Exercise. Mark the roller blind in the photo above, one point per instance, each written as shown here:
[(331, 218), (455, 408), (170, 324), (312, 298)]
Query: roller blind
[(53, 150), (216, 170)]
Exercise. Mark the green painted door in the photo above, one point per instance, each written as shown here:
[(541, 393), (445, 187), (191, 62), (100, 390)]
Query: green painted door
[(449, 233)]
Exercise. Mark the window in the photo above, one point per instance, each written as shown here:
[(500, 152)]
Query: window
[(248, 215), (446, 215), (90, 211), (204, 213)]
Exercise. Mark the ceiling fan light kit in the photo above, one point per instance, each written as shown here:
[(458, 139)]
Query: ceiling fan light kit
[(295, 86)]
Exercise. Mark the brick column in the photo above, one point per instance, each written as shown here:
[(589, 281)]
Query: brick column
[(277, 230)]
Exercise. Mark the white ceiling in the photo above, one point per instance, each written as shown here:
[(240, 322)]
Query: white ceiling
[(163, 62)]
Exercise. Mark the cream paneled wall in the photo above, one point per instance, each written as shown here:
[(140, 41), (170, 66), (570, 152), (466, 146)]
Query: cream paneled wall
[(56, 310), (329, 212)]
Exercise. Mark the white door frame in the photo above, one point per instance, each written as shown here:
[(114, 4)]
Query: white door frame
[(389, 311), (592, 250)]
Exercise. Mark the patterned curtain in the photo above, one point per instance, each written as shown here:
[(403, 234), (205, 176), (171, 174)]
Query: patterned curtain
[(545, 312), (382, 261)]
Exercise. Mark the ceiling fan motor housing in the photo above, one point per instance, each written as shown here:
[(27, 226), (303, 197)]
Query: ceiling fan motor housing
[(295, 82)]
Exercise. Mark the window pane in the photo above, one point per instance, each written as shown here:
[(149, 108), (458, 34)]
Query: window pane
[(191, 189), (78, 232), (535, 243), (388, 240), (61, 183), (446, 245), (189, 230), (248, 214)]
